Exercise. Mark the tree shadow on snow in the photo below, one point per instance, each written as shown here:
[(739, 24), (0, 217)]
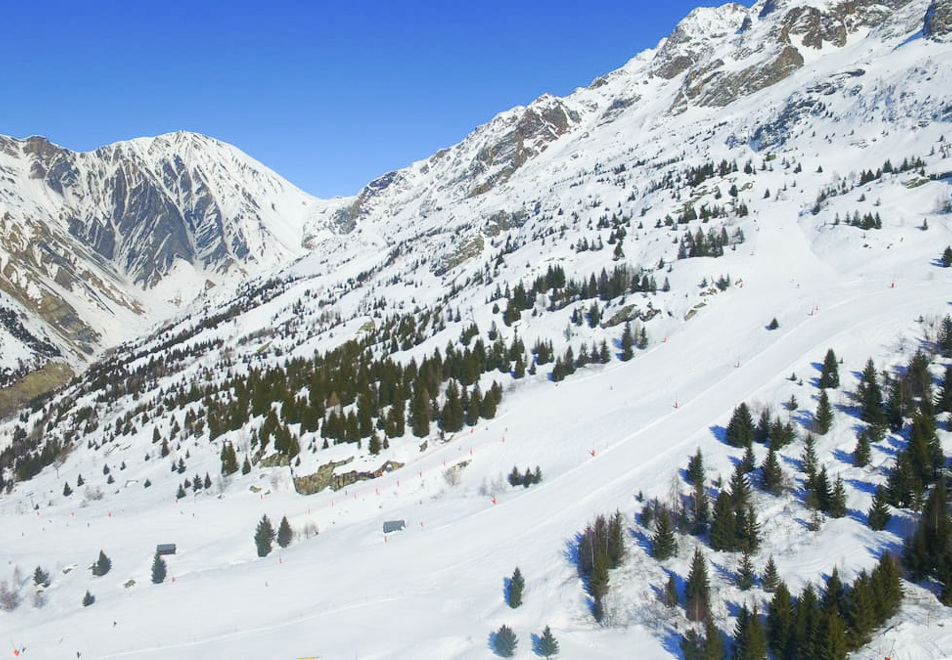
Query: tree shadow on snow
[(534, 641), (506, 581), (672, 642), (862, 486), (723, 571), (719, 432), (818, 367), (858, 516), (642, 539), (843, 456)]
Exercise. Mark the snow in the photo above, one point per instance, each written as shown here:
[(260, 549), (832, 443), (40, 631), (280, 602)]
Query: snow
[(601, 436)]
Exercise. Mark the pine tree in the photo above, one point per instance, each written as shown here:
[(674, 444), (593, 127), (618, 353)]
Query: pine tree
[(862, 451), (102, 565), (697, 589), (158, 569), (745, 573), (284, 533), (750, 643), (180, 493), (748, 462), (548, 645), (453, 416), (88, 599), (713, 644), (505, 641), (837, 508), (514, 589), (695, 471), (420, 411), (700, 510), (824, 414), (808, 459), (229, 462), (771, 473), (748, 533), (870, 396), (830, 374), (723, 529), (770, 578), (664, 544), (740, 428), (264, 536), (879, 514), (41, 578), (67, 491), (692, 645), (834, 644), (780, 622), (860, 613), (627, 343)]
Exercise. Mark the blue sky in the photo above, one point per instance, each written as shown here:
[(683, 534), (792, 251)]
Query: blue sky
[(328, 94)]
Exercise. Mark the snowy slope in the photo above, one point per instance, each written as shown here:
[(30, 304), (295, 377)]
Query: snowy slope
[(433, 243)]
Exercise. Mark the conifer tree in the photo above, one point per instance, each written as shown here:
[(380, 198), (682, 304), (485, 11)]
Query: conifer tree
[(834, 644), (837, 507), (748, 530), (870, 395), (750, 642), (420, 411), (860, 613), (745, 573), (780, 622), (67, 491), (284, 533), (862, 451), (229, 462), (664, 544), (739, 488), (806, 642), (771, 473), (740, 428), (515, 588), (41, 578), (808, 459), (627, 343), (824, 414), (695, 471), (748, 462), (697, 589), (88, 599), (879, 515), (713, 644), (700, 509), (453, 416), (264, 536), (770, 578), (762, 430), (159, 569), (830, 374), (102, 565), (723, 528), (505, 641), (548, 645)]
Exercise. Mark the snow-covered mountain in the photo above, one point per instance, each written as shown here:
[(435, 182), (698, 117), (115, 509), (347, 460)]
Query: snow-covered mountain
[(97, 246), (614, 271)]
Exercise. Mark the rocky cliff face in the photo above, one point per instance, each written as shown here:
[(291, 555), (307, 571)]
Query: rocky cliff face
[(938, 22), (97, 243)]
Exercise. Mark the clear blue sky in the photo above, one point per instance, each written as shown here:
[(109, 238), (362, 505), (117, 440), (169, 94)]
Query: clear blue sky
[(330, 94)]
